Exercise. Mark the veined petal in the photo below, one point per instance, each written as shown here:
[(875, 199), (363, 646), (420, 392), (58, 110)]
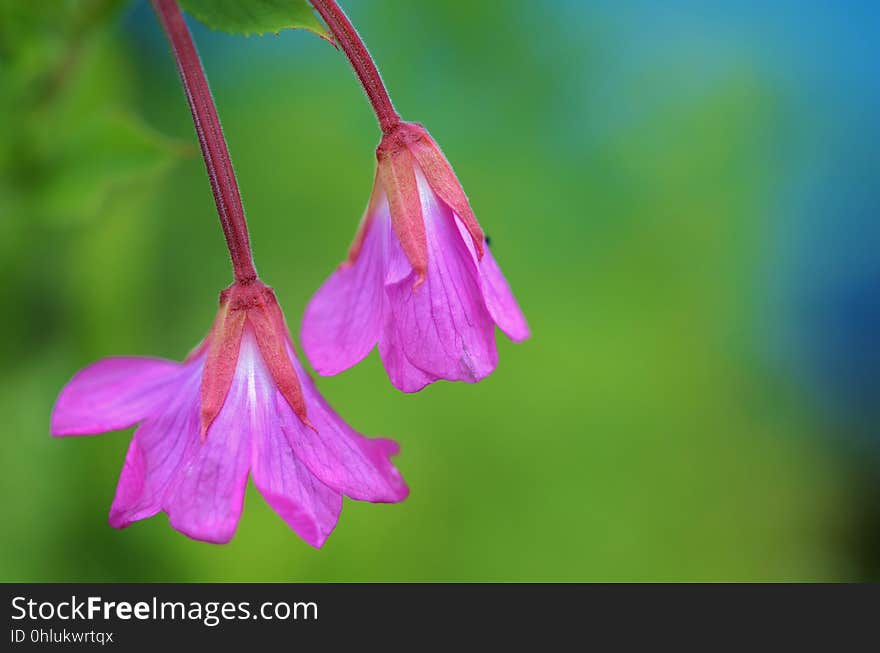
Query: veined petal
[(205, 497), (500, 301), (308, 506), (112, 394), (159, 448), (341, 458), (405, 376), (443, 327), (343, 319), (199, 482)]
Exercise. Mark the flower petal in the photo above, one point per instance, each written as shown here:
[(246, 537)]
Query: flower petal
[(206, 495), (343, 319), (357, 466), (500, 301), (403, 374), (307, 505), (157, 451), (442, 327), (199, 482), (112, 394)]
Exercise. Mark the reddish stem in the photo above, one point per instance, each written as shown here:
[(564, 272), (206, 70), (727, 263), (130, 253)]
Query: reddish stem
[(211, 140), (364, 67)]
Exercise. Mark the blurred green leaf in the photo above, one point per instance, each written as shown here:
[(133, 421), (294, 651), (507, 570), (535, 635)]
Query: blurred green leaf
[(255, 16), (70, 72), (112, 153)]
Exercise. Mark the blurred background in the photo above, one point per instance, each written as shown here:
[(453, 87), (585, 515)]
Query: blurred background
[(683, 195)]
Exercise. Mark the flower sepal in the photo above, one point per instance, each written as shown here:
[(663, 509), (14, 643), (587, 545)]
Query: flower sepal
[(247, 305), (401, 152)]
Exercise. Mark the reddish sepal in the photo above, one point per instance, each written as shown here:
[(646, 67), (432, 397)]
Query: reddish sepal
[(443, 181), (267, 322), (221, 361), (397, 174)]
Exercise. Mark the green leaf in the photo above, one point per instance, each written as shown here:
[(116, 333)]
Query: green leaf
[(256, 16)]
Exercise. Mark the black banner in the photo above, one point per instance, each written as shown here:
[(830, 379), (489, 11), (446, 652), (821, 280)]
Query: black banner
[(417, 616)]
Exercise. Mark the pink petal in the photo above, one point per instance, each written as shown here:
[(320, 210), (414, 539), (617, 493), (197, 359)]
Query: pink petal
[(206, 495), (341, 458), (442, 328), (307, 505), (199, 482), (403, 374), (133, 501), (158, 450), (342, 321), (500, 301), (112, 394), (387, 446)]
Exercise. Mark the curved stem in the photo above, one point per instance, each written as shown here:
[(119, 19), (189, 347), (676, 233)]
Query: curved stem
[(213, 144), (364, 67)]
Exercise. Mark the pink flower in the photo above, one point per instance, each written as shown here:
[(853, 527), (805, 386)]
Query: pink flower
[(419, 280), (239, 404)]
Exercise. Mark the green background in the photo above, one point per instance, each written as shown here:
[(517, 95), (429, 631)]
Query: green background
[(645, 432)]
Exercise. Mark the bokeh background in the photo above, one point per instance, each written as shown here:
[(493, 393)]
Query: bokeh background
[(683, 195)]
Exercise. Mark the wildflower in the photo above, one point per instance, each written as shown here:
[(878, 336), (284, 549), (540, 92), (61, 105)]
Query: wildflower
[(240, 404), (419, 279)]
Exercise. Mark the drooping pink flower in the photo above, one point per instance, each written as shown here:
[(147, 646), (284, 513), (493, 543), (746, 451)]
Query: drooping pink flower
[(239, 405), (419, 280)]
